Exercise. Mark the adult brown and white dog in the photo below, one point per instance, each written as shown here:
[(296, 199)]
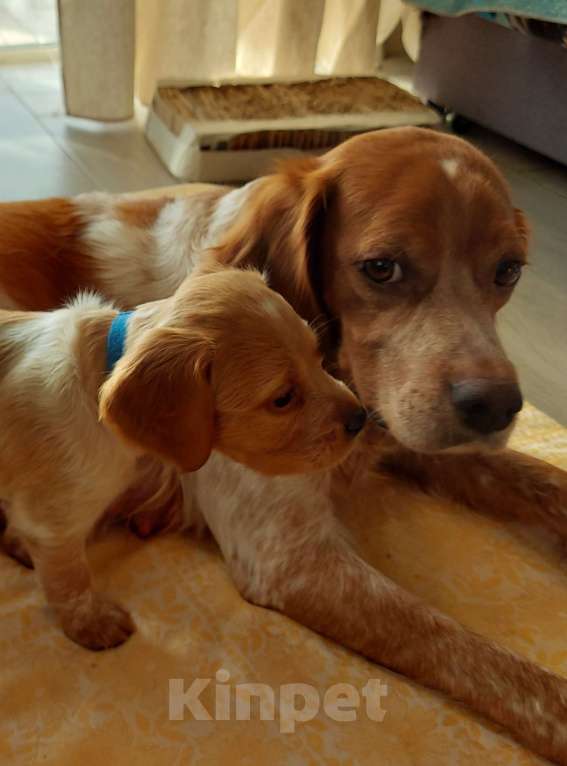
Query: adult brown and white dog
[(406, 243)]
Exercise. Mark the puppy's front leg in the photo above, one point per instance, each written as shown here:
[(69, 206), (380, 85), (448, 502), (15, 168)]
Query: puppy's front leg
[(507, 483), (88, 618)]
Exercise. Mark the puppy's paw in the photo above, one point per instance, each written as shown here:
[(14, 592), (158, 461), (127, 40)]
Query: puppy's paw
[(97, 623)]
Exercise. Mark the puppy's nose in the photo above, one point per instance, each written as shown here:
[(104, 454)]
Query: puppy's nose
[(486, 406), (355, 422)]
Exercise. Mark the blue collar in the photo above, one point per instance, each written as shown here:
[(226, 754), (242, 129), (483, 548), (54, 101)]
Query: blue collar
[(116, 339)]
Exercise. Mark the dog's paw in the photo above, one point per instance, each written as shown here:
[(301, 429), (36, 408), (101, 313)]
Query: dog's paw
[(97, 623)]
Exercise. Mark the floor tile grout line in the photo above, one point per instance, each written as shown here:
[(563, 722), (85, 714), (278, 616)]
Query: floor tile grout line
[(79, 165), (73, 156)]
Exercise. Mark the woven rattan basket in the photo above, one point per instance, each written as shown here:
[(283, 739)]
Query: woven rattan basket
[(233, 132)]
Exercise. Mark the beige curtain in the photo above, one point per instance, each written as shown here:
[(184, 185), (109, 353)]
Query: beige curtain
[(113, 48)]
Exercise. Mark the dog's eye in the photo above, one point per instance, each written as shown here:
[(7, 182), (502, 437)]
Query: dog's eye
[(285, 400), (507, 273), (382, 270)]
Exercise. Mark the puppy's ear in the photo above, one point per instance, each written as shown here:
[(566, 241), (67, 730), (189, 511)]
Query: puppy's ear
[(159, 398), (280, 231), (522, 226)]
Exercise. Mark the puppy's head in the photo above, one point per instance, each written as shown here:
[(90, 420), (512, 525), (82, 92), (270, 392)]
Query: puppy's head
[(407, 242), (231, 367)]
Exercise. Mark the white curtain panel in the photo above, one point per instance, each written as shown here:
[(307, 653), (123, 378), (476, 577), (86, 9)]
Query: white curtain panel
[(108, 46), (347, 44), (179, 40)]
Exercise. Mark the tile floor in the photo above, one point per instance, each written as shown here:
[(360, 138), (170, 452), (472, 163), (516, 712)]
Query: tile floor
[(44, 153)]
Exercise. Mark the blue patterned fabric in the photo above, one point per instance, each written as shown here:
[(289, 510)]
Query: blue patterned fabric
[(548, 10)]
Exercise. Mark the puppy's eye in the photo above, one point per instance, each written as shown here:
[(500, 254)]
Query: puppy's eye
[(382, 270), (507, 273), (283, 401)]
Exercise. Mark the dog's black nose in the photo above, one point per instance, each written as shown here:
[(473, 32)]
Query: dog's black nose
[(486, 405), (355, 422)]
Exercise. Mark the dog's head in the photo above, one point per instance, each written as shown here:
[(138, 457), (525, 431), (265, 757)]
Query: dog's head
[(406, 241), (231, 366)]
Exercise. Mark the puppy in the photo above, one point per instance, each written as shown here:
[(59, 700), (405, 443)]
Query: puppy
[(92, 401)]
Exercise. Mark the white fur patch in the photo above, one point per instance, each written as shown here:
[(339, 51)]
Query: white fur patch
[(88, 300), (450, 167), (254, 521), (136, 264), (44, 402), (173, 234), (226, 212), (270, 306)]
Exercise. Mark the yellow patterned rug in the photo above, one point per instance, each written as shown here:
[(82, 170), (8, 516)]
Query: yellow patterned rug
[(64, 706)]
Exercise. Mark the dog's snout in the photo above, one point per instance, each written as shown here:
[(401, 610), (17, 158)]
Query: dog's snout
[(355, 421), (486, 406)]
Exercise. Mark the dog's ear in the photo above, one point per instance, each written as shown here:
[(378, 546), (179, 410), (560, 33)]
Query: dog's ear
[(280, 230), (522, 226), (159, 398)]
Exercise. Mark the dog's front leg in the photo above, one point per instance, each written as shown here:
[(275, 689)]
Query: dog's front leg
[(505, 483), (332, 591), (285, 550)]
